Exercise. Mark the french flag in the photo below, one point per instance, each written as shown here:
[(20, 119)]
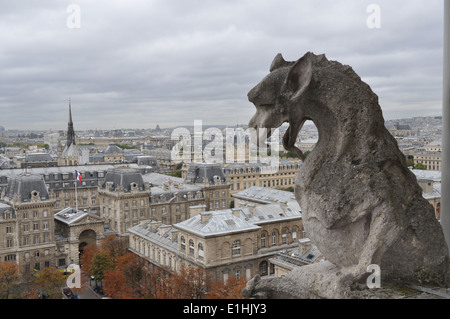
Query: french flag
[(78, 176)]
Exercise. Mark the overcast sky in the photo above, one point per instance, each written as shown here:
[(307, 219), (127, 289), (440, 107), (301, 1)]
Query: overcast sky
[(135, 64)]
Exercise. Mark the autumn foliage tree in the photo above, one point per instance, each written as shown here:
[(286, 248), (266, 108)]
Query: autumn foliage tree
[(9, 277), (231, 289), (49, 282), (125, 276)]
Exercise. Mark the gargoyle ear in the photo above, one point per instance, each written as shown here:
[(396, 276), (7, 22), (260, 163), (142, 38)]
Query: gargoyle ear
[(299, 77), (278, 62)]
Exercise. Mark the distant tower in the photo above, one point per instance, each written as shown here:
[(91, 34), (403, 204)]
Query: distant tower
[(70, 131), (70, 155)]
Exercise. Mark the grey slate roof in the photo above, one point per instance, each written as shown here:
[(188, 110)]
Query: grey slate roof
[(239, 219), (38, 157), (125, 177), (6, 208), (165, 240), (112, 148), (219, 222), (205, 173), (25, 185), (264, 195)]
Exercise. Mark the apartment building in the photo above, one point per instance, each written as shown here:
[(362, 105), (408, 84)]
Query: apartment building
[(243, 176), (233, 242)]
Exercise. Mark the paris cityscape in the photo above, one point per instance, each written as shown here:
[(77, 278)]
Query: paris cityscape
[(243, 154)]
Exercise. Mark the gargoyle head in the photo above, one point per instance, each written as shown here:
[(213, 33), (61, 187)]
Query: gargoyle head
[(278, 96)]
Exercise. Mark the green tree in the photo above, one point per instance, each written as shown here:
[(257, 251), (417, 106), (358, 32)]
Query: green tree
[(420, 166), (101, 262)]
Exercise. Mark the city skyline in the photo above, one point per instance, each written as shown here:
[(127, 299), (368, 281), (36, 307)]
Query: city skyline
[(170, 63)]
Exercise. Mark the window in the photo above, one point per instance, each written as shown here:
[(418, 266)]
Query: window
[(8, 229), (183, 244), (284, 236), (9, 242), (294, 233), (45, 224), (10, 257), (263, 240), (236, 249), (200, 251), (274, 238), (191, 247), (35, 226)]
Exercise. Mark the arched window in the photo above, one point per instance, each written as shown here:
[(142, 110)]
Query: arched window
[(284, 236), (294, 233), (236, 249), (200, 251), (263, 240), (191, 247), (183, 244), (274, 238)]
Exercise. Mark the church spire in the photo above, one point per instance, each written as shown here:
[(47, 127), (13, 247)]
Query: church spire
[(70, 131)]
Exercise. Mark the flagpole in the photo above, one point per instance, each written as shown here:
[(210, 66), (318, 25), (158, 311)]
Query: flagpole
[(76, 193)]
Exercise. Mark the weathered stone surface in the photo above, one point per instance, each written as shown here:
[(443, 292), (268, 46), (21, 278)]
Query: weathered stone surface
[(361, 205)]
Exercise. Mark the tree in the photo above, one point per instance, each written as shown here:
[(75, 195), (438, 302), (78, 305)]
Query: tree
[(101, 262), (115, 285), (123, 281), (88, 253), (49, 282), (113, 247), (188, 283), (154, 284), (420, 166), (9, 277), (231, 289)]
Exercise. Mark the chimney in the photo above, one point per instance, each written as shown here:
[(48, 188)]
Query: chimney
[(154, 226), (164, 229), (205, 216), (252, 208), (174, 235), (195, 210), (283, 205), (304, 246), (236, 212)]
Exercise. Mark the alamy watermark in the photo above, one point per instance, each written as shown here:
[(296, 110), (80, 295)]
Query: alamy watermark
[(74, 279), (374, 280), (237, 146), (374, 19), (74, 19)]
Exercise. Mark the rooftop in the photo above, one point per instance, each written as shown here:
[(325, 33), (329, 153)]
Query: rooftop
[(70, 215), (264, 195)]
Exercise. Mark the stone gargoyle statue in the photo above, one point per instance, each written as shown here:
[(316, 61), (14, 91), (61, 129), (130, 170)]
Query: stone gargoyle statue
[(361, 205)]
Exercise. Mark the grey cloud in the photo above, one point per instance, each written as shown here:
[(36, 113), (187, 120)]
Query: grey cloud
[(135, 64)]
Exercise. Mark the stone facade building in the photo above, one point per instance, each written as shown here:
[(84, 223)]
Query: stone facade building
[(243, 176), (234, 242), (27, 224)]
